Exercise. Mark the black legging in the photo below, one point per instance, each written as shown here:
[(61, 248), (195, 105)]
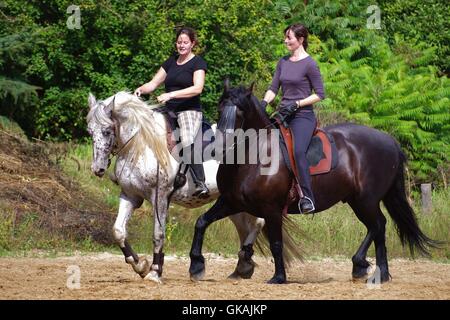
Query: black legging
[(302, 126)]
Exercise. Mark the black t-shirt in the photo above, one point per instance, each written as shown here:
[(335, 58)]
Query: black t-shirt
[(181, 77)]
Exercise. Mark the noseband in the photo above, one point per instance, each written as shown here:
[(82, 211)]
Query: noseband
[(116, 149)]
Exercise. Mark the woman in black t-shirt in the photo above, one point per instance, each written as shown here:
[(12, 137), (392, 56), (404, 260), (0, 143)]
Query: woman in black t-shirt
[(183, 76)]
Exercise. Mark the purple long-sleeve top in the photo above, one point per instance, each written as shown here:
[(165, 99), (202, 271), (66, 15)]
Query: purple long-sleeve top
[(297, 80)]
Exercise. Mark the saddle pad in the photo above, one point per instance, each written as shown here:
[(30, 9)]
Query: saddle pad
[(321, 153)]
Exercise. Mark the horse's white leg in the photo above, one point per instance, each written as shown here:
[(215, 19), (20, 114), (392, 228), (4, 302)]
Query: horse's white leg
[(126, 208), (159, 231), (248, 228)]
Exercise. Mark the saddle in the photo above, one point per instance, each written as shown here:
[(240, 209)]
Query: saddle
[(172, 125), (322, 157)]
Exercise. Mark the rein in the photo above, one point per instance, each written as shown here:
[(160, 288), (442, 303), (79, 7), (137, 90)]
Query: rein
[(116, 152)]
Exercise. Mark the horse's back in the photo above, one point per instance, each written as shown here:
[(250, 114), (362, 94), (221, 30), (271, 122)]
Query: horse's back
[(363, 137), (368, 158)]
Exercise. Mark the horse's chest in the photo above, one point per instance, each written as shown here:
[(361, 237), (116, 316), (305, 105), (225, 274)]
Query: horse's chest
[(139, 181)]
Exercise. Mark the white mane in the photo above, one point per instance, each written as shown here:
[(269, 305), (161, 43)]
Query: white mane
[(136, 114)]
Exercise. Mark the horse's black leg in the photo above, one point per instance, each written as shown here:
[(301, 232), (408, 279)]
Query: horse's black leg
[(273, 224), (360, 264), (218, 211), (380, 248), (370, 214), (248, 228), (245, 266)]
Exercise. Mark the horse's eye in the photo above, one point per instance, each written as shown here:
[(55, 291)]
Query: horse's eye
[(107, 132)]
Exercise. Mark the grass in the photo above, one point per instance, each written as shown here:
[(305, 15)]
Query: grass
[(335, 232), (27, 238)]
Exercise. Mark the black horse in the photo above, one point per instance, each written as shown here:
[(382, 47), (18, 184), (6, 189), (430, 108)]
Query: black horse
[(370, 170)]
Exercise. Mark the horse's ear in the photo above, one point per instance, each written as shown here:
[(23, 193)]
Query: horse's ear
[(110, 107), (91, 101), (226, 84)]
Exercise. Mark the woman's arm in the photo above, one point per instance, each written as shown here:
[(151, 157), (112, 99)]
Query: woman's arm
[(151, 86), (269, 96), (274, 86), (195, 90), (315, 78), (308, 101)]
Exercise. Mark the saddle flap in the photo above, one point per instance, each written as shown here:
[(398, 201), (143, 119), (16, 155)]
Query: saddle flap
[(172, 126), (321, 156)]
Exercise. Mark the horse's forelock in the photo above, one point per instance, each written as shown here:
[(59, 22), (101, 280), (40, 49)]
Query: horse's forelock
[(243, 98), (98, 114)]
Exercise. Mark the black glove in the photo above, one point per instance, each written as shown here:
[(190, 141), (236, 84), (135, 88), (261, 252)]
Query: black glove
[(264, 104), (284, 113)]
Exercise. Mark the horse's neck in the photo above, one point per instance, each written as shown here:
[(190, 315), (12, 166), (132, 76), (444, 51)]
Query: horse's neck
[(268, 140), (257, 120), (127, 132)]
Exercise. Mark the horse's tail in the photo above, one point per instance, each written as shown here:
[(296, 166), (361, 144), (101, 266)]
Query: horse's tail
[(403, 215), (292, 250)]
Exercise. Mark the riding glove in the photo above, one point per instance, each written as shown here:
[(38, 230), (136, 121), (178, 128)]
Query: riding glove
[(263, 104), (283, 113)]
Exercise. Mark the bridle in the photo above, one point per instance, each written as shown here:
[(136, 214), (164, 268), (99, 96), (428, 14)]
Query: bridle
[(117, 149)]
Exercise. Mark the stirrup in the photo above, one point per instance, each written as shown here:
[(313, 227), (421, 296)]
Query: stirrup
[(201, 190), (306, 205)]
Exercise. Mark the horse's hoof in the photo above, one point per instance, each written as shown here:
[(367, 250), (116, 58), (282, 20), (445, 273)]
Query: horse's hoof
[(234, 276), (197, 268), (361, 274), (377, 279), (246, 272), (154, 277), (198, 276), (362, 278), (142, 268), (277, 280)]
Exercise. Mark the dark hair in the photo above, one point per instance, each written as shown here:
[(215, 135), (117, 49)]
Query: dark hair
[(189, 32), (299, 31)]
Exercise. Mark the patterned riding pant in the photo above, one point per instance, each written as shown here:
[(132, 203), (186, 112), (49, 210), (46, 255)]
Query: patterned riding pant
[(190, 122)]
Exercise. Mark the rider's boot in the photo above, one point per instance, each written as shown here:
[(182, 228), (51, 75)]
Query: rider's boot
[(198, 175)]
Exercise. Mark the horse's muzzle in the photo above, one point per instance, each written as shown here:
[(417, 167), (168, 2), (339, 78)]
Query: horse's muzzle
[(100, 172)]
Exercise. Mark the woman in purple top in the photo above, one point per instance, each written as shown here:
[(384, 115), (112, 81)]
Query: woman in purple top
[(298, 75)]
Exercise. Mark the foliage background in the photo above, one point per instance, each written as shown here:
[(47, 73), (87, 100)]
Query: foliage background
[(394, 78)]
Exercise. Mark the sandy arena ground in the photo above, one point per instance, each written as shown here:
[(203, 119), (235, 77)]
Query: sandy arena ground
[(106, 276)]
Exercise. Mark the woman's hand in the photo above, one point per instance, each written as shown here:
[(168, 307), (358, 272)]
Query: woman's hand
[(138, 92), (165, 97)]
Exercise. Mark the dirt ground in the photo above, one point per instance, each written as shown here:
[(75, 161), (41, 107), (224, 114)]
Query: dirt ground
[(106, 276)]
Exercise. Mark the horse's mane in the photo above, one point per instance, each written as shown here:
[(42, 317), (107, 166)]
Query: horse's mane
[(138, 115)]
